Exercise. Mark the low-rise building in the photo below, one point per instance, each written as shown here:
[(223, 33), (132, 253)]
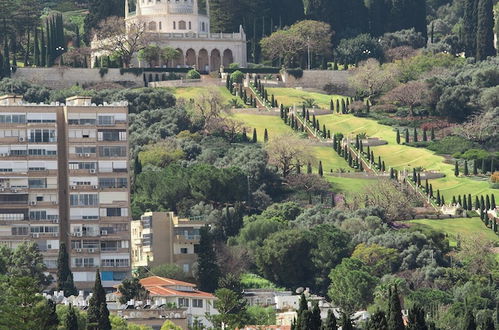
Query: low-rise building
[(178, 294), (163, 238)]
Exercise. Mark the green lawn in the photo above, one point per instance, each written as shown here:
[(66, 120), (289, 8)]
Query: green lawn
[(349, 186), (292, 96), (401, 156), (472, 228)]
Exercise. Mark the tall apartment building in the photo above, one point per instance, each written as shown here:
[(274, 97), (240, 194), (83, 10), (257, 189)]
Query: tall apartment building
[(64, 178), (163, 238)]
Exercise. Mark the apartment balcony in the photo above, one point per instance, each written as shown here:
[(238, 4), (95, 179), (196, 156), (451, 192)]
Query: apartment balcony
[(44, 235), (115, 219), (187, 239), (86, 250)]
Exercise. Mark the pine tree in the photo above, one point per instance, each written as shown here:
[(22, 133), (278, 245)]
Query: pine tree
[(456, 169), (208, 271), (64, 274), (321, 173), (330, 323), (265, 136), (71, 321), (398, 136), (466, 172), (469, 321), (97, 313), (395, 321), (255, 138), (485, 30)]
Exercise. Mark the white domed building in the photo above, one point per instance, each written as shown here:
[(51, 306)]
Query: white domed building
[(185, 26)]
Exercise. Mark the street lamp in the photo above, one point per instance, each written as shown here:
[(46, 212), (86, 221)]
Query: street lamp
[(60, 50)]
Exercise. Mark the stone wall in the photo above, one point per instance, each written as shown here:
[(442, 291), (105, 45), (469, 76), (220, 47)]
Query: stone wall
[(319, 78), (64, 77)]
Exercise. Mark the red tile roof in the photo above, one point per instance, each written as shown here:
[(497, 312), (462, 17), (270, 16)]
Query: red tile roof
[(163, 281), (160, 286)]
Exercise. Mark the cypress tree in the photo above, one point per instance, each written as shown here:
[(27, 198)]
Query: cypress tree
[(493, 205), (470, 27), (469, 321), (244, 137), (442, 201), (361, 167), (470, 206), (466, 172), (265, 136), (482, 204), (456, 169), (395, 321), (330, 323), (328, 134), (431, 190), (137, 166), (484, 170), (316, 321), (208, 271), (477, 203), (324, 129), (71, 321), (379, 162), (427, 188), (98, 314), (36, 49), (343, 106), (414, 175), (432, 134), (398, 136), (346, 323), (361, 146), (331, 106), (377, 321), (425, 137), (337, 106), (282, 111), (475, 169), (454, 201), (419, 179), (368, 153), (492, 166), (459, 200), (303, 111), (308, 115), (383, 168), (465, 203), (255, 138), (417, 319), (64, 275), (309, 168), (407, 136), (372, 156), (487, 203), (321, 173), (485, 30), (43, 49), (438, 198), (415, 135)]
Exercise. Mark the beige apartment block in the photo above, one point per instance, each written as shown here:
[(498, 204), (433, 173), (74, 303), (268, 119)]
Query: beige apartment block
[(64, 178), (163, 238)]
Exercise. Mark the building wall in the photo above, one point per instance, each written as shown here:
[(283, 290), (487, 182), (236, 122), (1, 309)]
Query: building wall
[(173, 240), (79, 194)]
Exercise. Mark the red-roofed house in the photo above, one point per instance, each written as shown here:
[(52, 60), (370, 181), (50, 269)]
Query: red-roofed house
[(166, 291)]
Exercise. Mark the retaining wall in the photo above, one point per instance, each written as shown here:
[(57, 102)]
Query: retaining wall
[(318, 79), (64, 77)]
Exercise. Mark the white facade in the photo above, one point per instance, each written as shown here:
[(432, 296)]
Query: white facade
[(183, 25)]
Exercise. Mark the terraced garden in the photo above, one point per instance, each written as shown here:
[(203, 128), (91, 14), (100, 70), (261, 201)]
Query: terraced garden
[(294, 97)]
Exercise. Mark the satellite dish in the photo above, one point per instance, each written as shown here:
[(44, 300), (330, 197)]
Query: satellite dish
[(300, 290)]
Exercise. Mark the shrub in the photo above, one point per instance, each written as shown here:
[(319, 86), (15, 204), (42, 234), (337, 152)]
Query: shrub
[(193, 74), (297, 73), (450, 145), (237, 76), (494, 178), (234, 66), (390, 108)]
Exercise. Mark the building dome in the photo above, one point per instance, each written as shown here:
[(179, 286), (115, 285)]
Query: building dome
[(171, 16)]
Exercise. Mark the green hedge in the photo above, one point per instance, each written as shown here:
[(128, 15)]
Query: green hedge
[(253, 70)]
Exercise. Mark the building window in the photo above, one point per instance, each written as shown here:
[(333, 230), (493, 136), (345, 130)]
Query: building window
[(185, 268), (111, 151), (198, 303), (152, 26), (42, 135), (182, 25), (190, 26), (183, 250), (174, 26), (183, 302), (160, 26), (84, 199)]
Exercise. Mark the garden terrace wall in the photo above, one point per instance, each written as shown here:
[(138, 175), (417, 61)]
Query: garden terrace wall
[(64, 77), (317, 79)]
